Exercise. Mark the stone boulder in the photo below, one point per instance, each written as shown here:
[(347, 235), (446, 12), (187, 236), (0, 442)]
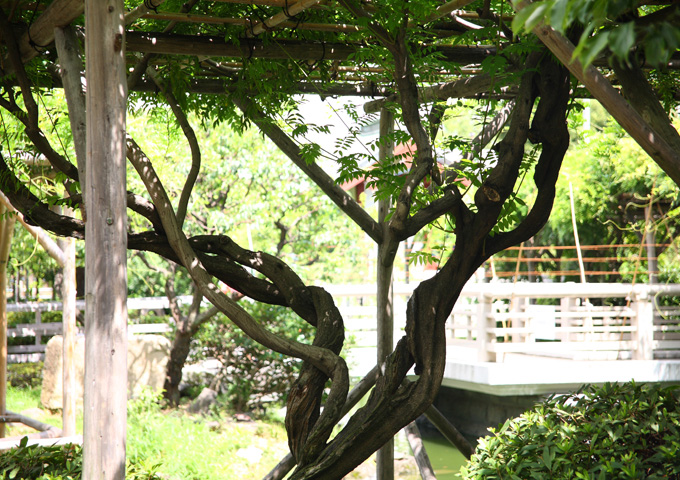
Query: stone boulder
[(147, 359)]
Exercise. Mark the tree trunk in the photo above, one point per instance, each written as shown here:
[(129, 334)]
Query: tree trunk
[(105, 245), (178, 355)]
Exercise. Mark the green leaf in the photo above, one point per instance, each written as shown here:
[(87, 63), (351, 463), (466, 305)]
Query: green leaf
[(530, 16), (588, 50), (622, 39)]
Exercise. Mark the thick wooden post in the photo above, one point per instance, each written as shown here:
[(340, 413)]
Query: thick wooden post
[(68, 295), (385, 311), (105, 244), (6, 230)]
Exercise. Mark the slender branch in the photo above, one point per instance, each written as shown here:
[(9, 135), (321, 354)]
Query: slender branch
[(341, 198), (356, 9), (34, 211), (221, 268), (422, 164), (203, 317), (434, 210), (194, 310), (278, 272), (15, 60), (193, 145), (500, 181), (38, 233), (170, 292)]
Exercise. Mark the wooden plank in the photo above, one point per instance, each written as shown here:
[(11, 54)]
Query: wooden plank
[(105, 399), (21, 349), (145, 328), (32, 330), (561, 347), (25, 357), (666, 345), (528, 330)]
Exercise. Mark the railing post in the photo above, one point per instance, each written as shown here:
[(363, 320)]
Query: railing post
[(38, 323), (484, 306), (567, 305), (644, 321)]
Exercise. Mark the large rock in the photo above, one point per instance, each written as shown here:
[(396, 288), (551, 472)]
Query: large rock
[(147, 359)]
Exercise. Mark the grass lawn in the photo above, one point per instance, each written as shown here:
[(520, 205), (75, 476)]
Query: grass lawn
[(186, 447), (194, 447)]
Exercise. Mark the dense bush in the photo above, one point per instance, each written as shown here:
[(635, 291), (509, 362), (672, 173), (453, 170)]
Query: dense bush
[(252, 375), (617, 431), (58, 462), (25, 375)]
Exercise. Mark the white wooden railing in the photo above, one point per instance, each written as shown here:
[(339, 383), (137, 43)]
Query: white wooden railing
[(599, 321), (39, 329), (595, 321)]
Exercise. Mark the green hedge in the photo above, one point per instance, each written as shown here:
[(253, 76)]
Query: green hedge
[(623, 431), (58, 462), (25, 375)]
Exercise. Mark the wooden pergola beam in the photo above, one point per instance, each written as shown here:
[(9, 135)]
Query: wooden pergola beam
[(40, 34), (461, 88), (209, 19), (279, 18), (141, 10), (214, 46)]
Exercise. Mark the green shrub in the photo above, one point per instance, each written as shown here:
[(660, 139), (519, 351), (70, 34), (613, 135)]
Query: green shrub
[(252, 375), (25, 375), (58, 462), (617, 431)]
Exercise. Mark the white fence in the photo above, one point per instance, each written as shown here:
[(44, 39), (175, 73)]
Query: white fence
[(595, 321), (40, 329)]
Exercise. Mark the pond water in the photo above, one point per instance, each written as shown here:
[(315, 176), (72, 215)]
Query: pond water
[(446, 459)]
